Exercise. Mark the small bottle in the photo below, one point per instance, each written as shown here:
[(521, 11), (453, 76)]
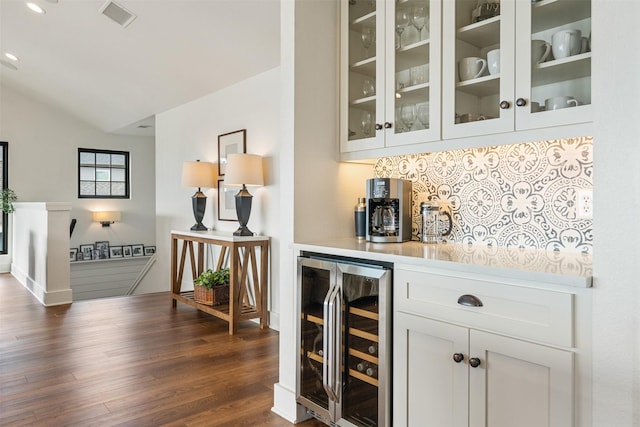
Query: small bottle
[(360, 218), (362, 366), (372, 349)]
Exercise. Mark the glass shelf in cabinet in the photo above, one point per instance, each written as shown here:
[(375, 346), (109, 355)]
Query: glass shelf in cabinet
[(415, 96), (547, 14), (481, 34), (412, 55), (363, 21), (482, 86), (571, 68), (367, 102), (366, 67)]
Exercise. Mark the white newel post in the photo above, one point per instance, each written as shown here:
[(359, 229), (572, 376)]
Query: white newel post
[(40, 253)]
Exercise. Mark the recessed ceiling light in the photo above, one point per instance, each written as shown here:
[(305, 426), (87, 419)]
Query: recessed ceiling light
[(36, 8), (11, 56)]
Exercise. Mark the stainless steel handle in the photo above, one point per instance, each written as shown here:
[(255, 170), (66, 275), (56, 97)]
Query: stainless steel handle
[(337, 359), (388, 125), (326, 342), (470, 301), (328, 368), (378, 126)]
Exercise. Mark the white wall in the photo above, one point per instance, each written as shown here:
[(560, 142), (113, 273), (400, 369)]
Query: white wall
[(616, 290), (190, 132), (325, 190), (43, 167)]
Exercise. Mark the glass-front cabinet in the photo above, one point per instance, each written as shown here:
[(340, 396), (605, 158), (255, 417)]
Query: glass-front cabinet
[(390, 73), (512, 65)]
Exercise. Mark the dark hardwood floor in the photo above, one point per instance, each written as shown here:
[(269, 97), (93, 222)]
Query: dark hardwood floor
[(131, 361)]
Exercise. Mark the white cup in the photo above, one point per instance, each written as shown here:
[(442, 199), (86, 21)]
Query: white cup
[(540, 51), (493, 61), (566, 43), (584, 47), (558, 102), (535, 107), (471, 68)]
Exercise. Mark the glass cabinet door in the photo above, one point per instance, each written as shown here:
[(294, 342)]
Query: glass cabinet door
[(553, 63), (413, 72), (478, 55), (362, 74)]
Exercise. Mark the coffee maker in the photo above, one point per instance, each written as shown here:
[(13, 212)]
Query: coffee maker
[(388, 210)]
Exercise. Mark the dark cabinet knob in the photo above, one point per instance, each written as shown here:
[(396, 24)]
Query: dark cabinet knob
[(505, 105), (387, 125), (458, 357), (521, 102), (378, 126), (474, 362)]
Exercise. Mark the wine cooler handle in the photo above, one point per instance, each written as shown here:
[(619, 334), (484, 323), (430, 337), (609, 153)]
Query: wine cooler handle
[(336, 386), (326, 342), (328, 335)]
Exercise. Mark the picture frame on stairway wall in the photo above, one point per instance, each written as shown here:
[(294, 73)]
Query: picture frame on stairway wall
[(137, 250), (87, 251), (73, 254), (127, 251)]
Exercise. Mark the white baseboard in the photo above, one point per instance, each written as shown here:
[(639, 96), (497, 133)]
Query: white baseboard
[(37, 290), (285, 405), (274, 321)]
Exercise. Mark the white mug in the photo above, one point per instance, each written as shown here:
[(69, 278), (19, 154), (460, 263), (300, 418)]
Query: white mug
[(558, 102), (493, 61), (584, 47), (535, 107), (566, 43), (471, 68), (540, 51)]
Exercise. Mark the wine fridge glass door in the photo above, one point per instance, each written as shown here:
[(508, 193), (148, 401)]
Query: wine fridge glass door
[(315, 281)]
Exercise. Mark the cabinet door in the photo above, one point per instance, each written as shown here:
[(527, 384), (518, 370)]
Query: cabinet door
[(478, 99), (429, 387), (362, 47), (519, 383), (413, 72), (568, 77)]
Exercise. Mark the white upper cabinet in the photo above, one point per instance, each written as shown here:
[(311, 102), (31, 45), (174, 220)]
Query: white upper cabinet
[(390, 73), (511, 65)]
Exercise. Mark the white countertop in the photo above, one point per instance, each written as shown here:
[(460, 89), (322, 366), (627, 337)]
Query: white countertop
[(545, 267)]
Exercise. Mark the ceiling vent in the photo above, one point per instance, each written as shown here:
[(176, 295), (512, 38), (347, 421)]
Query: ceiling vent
[(117, 13)]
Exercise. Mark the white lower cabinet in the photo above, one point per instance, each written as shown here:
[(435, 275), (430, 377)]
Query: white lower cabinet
[(449, 373)]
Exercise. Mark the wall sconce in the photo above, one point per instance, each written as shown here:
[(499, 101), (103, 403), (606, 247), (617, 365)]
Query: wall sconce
[(243, 169), (106, 218)]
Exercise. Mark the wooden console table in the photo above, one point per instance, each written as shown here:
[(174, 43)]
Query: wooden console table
[(248, 290)]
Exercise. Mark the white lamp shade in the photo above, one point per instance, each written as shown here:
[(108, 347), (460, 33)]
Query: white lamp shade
[(198, 174), (106, 216), (244, 169)]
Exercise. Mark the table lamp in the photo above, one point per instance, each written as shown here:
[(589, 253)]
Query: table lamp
[(198, 174), (243, 169)]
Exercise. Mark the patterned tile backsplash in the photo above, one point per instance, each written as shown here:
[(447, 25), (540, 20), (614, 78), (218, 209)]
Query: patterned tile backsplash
[(523, 195)]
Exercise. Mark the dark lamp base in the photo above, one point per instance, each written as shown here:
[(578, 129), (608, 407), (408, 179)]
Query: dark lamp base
[(199, 227), (243, 231)]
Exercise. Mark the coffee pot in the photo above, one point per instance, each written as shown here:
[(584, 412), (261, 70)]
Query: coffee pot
[(432, 229), (384, 219)]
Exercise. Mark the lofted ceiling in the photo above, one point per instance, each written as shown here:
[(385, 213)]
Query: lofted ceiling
[(117, 78)]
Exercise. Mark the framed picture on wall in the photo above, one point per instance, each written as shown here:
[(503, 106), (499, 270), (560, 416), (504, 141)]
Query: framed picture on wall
[(137, 250), (230, 143), (226, 202), (115, 252), (87, 251), (73, 254), (149, 250), (127, 252), (102, 248)]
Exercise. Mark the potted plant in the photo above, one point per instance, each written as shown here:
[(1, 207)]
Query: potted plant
[(8, 197), (212, 287)]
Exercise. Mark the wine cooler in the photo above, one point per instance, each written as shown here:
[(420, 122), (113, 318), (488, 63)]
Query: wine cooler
[(344, 341)]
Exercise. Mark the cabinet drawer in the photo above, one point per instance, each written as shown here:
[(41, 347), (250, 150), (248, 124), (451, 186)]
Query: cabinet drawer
[(535, 314)]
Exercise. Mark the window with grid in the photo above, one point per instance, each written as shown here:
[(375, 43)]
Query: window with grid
[(103, 174)]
